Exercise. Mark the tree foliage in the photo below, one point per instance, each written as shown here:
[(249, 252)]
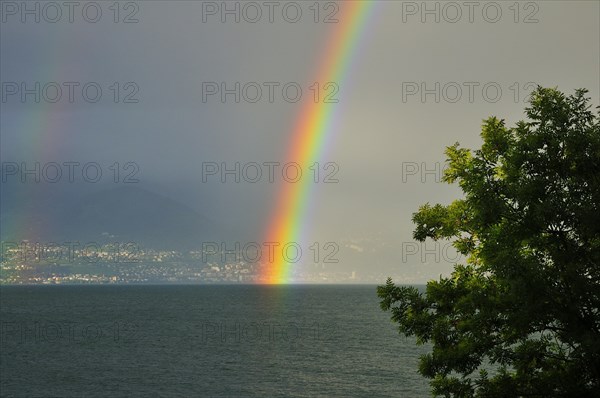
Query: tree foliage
[(526, 302)]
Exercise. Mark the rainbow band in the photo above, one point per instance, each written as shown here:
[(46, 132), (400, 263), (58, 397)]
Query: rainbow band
[(311, 135)]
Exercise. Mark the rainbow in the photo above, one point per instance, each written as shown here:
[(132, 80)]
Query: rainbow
[(311, 136), (41, 133)]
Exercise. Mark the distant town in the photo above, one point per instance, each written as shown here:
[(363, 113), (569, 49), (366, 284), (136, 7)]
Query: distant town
[(26, 263)]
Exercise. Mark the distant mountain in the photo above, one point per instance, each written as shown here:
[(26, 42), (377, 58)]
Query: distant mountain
[(123, 214)]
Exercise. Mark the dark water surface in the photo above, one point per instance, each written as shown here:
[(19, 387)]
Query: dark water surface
[(235, 341)]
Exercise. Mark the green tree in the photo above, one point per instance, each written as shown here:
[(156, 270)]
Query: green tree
[(526, 302)]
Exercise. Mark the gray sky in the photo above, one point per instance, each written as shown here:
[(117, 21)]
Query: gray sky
[(383, 130)]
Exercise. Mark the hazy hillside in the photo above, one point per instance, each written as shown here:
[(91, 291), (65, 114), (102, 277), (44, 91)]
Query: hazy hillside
[(123, 214)]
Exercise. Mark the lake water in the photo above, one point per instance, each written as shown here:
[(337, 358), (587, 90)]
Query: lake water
[(217, 341)]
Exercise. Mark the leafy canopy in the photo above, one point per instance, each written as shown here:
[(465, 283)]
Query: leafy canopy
[(526, 303)]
